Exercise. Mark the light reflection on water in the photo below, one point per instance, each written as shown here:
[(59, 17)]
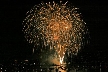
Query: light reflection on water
[(50, 69), (34, 66)]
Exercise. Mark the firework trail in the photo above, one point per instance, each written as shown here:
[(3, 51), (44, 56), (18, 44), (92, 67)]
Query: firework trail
[(57, 26)]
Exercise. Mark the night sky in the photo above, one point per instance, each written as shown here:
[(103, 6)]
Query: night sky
[(13, 45)]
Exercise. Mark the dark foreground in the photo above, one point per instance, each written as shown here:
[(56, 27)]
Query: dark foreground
[(33, 66)]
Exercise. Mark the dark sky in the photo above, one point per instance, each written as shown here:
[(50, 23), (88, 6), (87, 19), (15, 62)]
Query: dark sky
[(13, 45)]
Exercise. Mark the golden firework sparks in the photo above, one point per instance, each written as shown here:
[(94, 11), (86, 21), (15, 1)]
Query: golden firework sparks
[(57, 25)]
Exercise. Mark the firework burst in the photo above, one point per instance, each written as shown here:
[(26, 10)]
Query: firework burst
[(57, 26)]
